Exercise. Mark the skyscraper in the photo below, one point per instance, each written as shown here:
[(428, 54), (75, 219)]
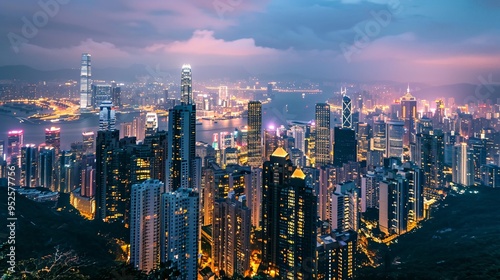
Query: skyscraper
[(85, 82), (181, 151), (15, 141), (346, 112), (323, 134), (289, 213), (363, 138), (430, 158), (409, 115), (145, 223), (344, 207), (53, 138), (254, 134), (378, 142), (181, 147), (463, 165), (344, 146), (107, 141), (46, 168), (186, 84), (29, 164), (270, 142), (395, 132), (439, 114), (88, 138), (101, 93), (107, 118), (179, 231), (401, 199), (231, 235), (151, 123)]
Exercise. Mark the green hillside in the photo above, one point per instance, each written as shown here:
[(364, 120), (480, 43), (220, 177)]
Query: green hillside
[(461, 241)]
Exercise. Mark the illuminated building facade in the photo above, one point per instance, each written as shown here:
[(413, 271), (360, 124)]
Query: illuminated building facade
[(47, 167), (101, 93), (289, 213), (254, 134), (463, 165), (85, 82), (151, 123), (409, 116), (53, 138), (323, 140), (401, 200), (186, 84), (145, 220), (15, 140), (347, 112), (29, 166), (430, 158), (344, 207), (107, 118), (181, 163), (231, 236), (395, 132), (179, 231)]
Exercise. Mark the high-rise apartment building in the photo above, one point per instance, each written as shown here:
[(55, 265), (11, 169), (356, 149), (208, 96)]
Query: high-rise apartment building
[(344, 207), (151, 123), (179, 231), (181, 148), (231, 234), (47, 167), (145, 224), (15, 140)]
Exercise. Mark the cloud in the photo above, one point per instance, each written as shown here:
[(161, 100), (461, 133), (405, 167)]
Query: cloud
[(425, 38), (203, 42)]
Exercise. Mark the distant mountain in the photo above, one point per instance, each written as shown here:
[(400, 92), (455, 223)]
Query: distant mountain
[(461, 92), (136, 72)]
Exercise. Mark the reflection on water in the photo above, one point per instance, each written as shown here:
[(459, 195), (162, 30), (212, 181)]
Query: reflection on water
[(283, 107)]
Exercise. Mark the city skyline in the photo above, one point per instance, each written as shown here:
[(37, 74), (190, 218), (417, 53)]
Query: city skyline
[(272, 139)]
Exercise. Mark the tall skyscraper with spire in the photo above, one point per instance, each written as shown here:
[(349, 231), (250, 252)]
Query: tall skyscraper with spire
[(346, 110), (409, 116), (85, 82)]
